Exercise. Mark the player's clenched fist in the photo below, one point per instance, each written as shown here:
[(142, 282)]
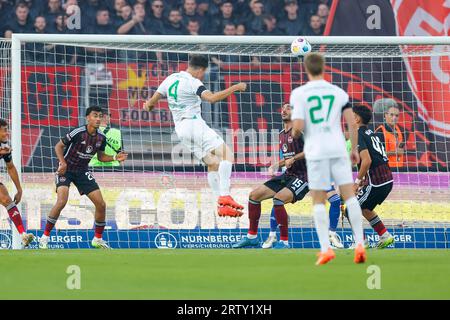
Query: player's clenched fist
[(241, 86), (62, 168), (147, 106)]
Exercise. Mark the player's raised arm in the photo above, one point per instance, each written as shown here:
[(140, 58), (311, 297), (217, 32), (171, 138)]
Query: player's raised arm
[(221, 95), (150, 104)]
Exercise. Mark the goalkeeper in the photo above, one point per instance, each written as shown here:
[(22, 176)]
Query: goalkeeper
[(114, 142)]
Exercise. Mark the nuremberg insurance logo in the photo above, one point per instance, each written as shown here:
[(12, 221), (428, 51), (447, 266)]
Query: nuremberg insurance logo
[(5, 241), (165, 240)]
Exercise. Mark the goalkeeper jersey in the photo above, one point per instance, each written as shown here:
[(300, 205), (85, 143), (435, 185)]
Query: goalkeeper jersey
[(183, 93)]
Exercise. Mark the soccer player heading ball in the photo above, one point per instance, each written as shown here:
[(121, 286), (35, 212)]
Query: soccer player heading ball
[(184, 92), (74, 151), (318, 107)]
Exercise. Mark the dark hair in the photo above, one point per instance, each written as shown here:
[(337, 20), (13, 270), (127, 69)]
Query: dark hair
[(93, 109), (314, 63), (198, 61), (363, 112), (3, 123)]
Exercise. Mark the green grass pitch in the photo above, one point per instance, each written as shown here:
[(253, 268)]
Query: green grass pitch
[(222, 274)]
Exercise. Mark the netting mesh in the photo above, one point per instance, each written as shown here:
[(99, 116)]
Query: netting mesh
[(161, 193)]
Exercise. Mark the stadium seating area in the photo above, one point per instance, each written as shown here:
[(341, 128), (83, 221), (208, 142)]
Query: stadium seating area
[(171, 17)]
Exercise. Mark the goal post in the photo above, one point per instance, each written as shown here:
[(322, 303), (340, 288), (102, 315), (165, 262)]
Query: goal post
[(161, 194)]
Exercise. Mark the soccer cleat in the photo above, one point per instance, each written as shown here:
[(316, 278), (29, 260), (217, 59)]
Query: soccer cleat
[(229, 201), (325, 257), (360, 254), (385, 240), (281, 245), (335, 242), (270, 242), (246, 242), (227, 211), (27, 238), (43, 242), (100, 244), (353, 245)]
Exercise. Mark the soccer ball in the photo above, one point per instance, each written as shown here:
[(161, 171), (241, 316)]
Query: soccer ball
[(300, 46)]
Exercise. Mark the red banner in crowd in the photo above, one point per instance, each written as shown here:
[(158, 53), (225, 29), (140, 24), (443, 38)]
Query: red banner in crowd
[(428, 76), (50, 95), (133, 84)]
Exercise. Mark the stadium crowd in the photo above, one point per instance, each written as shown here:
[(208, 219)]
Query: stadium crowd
[(167, 17)]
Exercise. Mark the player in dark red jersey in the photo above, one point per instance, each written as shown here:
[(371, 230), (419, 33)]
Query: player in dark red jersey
[(289, 187), (74, 151), (5, 199), (374, 181)]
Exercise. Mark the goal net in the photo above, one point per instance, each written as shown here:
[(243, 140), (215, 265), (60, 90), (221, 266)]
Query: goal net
[(160, 197)]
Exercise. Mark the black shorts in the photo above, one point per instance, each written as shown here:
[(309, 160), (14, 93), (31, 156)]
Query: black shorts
[(298, 187), (370, 196), (83, 180)]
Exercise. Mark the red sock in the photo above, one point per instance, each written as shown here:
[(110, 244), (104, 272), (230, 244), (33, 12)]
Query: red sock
[(254, 213), (378, 225), (15, 217), (49, 226), (99, 227), (282, 220)]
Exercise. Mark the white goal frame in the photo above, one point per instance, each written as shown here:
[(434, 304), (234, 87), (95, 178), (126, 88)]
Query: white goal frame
[(18, 39)]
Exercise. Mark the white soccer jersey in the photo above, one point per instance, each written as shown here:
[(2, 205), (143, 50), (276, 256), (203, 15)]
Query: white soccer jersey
[(320, 104), (183, 94)]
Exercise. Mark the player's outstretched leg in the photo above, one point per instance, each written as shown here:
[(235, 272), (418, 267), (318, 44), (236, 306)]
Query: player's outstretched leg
[(272, 239), (62, 194), (335, 210), (100, 219), (254, 213), (15, 216), (386, 239)]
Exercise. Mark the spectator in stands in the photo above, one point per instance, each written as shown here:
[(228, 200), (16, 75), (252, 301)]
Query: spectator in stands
[(309, 7), (126, 13), (391, 135), (174, 25), (255, 22), (240, 30), (116, 13), (323, 11), (62, 54), (157, 17), (69, 3), (190, 12), (5, 13), (102, 25), (202, 7), (89, 10), (315, 27), (137, 24), (193, 27), (38, 52), (214, 8), (295, 22), (229, 29), (34, 7), (54, 8), (20, 23), (225, 16), (271, 28)]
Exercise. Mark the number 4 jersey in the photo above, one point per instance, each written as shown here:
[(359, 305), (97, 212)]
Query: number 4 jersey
[(379, 172), (320, 104), (183, 93)]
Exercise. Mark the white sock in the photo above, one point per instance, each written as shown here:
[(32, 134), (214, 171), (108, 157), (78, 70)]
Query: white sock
[(285, 242), (272, 234), (322, 222), (251, 236), (355, 217), (213, 181), (225, 168)]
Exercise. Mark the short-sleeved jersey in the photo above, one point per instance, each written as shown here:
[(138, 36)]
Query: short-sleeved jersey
[(6, 157), (379, 172), (81, 147), (289, 147), (183, 93), (320, 104)]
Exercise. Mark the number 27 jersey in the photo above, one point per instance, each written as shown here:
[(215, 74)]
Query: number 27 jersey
[(320, 104)]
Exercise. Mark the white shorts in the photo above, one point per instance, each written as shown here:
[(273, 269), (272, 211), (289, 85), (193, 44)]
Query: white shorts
[(195, 135), (321, 173)]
